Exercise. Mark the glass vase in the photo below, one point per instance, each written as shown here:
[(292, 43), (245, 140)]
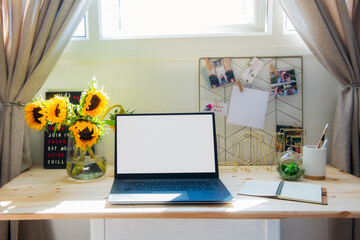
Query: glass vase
[(85, 163)]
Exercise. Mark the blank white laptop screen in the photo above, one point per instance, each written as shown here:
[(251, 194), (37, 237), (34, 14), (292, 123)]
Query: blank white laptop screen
[(165, 144)]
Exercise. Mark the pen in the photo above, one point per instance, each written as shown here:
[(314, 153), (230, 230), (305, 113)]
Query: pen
[(325, 143), (322, 138)]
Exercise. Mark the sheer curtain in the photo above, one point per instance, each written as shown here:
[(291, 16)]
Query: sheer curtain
[(331, 29), (34, 34)]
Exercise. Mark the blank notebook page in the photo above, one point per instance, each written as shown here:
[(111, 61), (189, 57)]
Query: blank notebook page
[(304, 191), (259, 188)]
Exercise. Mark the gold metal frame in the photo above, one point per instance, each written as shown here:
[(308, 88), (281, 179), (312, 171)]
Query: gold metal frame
[(263, 141)]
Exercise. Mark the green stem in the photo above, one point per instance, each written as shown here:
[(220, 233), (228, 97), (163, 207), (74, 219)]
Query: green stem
[(82, 154), (75, 153), (108, 110), (101, 165), (98, 161), (92, 155), (79, 165)]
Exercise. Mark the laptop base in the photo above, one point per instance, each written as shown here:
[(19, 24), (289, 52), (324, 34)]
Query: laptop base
[(217, 194)]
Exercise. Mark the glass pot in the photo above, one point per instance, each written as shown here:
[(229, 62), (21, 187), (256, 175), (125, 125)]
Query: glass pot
[(289, 158), (85, 163)]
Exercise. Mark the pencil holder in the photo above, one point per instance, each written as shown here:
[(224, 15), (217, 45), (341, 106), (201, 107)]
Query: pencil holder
[(314, 162)]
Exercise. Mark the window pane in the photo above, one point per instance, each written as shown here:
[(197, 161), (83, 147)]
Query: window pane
[(164, 17), (289, 27), (81, 29)]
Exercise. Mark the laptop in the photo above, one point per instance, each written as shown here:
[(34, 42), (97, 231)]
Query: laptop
[(166, 158)]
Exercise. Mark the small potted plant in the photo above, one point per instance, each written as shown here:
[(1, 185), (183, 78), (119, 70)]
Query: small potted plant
[(290, 166)]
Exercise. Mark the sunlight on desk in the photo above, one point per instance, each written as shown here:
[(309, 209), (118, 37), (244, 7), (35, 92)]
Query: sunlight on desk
[(240, 205), (4, 203), (97, 207)]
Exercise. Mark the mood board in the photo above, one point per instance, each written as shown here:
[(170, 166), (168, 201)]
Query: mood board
[(283, 106)]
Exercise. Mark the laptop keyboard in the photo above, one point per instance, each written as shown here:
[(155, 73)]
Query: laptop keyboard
[(169, 185)]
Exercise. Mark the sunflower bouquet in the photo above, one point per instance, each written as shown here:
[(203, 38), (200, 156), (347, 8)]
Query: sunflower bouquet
[(84, 121)]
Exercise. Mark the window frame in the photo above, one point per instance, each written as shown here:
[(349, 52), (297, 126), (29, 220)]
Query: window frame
[(260, 25), (86, 29), (274, 42), (287, 28)]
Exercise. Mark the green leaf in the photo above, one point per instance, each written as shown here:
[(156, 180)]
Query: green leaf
[(56, 127), (110, 122)]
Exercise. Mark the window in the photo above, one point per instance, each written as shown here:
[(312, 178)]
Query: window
[(157, 18), (260, 21), (80, 32), (288, 26)]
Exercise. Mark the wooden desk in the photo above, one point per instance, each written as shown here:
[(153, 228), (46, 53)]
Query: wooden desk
[(51, 194)]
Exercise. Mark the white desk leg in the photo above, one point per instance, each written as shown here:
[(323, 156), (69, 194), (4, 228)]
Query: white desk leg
[(272, 229), (97, 229)]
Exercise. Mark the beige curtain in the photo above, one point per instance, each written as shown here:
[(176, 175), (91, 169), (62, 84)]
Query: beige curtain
[(331, 29), (34, 34)]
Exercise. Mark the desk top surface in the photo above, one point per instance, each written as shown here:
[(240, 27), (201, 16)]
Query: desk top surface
[(50, 194)]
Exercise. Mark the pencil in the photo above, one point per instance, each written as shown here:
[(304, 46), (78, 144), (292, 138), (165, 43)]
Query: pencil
[(322, 138)]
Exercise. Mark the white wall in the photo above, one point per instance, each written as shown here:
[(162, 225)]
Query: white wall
[(161, 75), (171, 85)]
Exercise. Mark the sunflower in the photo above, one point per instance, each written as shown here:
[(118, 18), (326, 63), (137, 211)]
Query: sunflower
[(57, 109), (35, 115), (95, 102), (85, 133)]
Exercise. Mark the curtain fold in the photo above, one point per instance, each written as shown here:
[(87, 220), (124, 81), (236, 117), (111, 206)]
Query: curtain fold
[(331, 29), (33, 35)]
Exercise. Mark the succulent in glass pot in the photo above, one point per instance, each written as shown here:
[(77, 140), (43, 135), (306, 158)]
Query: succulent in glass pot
[(290, 166)]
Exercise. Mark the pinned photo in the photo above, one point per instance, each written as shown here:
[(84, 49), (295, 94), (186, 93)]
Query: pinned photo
[(220, 72), (289, 136), (283, 82)]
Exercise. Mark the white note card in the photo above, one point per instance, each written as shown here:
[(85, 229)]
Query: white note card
[(248, 108)]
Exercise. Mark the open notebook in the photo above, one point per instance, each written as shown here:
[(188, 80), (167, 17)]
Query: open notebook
[(302, 192)]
